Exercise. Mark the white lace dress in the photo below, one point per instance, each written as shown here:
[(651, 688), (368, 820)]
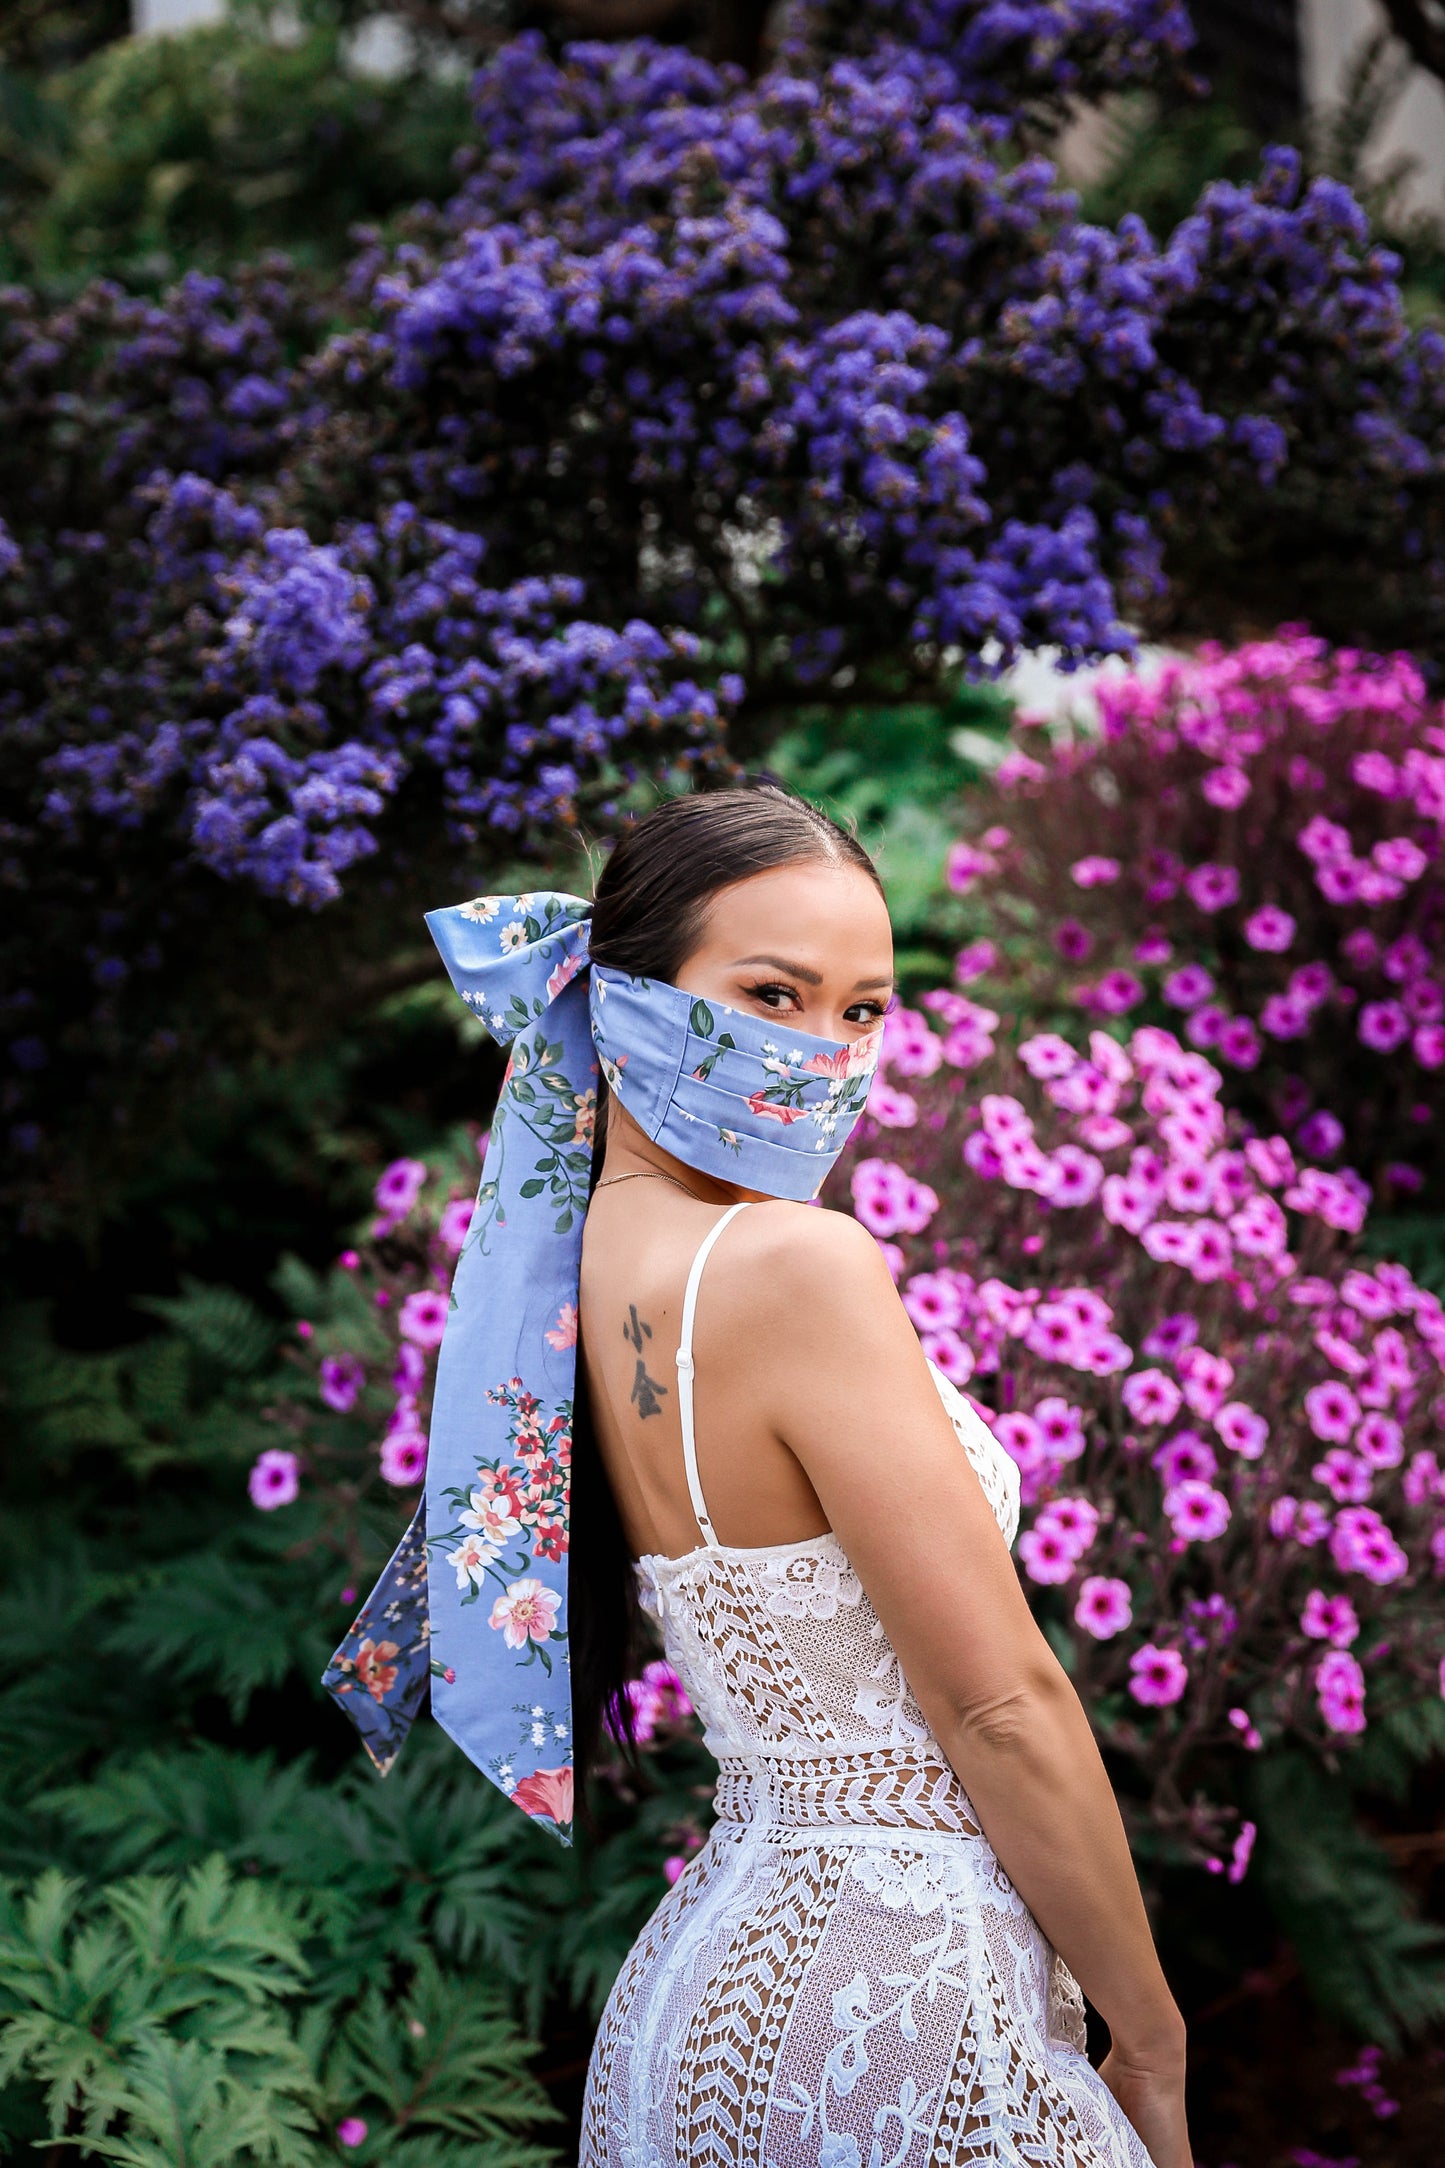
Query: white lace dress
[(843, 1976)]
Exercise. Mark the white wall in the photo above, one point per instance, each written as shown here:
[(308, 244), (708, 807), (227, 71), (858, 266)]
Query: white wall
[(1331, 31)]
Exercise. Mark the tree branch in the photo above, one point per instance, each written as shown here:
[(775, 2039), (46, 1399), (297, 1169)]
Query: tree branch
[(1420, 24)]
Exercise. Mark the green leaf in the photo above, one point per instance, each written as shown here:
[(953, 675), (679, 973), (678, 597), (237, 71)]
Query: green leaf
[(532, 1187), (702, 1020)]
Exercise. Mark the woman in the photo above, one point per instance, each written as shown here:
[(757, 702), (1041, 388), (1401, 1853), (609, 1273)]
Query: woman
[(873, 1960)]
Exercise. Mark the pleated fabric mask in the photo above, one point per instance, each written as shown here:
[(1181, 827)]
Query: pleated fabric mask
[(473, 1602)]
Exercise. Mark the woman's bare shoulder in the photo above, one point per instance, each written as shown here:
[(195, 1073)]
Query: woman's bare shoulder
[(799, 1244)]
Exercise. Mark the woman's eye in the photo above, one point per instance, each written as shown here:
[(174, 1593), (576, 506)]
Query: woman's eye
[(771, 996)]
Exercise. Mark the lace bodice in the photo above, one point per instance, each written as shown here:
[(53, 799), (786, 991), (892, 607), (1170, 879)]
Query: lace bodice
[(779, 1647), (843, 1976)]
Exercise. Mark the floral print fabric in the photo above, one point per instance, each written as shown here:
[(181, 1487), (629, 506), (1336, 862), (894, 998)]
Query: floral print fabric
[(473, 1603)]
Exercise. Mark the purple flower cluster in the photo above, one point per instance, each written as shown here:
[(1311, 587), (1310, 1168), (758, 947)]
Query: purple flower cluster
[(1226, 1425), (819, 371), (1273, 818)]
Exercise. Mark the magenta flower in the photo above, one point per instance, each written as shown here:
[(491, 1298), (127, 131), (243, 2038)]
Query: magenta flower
[(1428, 1046), (1333, 1411), (932, 1299), (1117, 992), (1151, 1397), (1243, 1430), (1187, 987), (341, 1379), (1160, 1675), (1046, 1553), (423, 1317), (1340, 1686), (1399, 858), (1212, 887), (1075, 1519), (1239, 1043), (351, 2130), (954, 1357), (1104, 1607), (1244, 1842), (1154, 948), (975, 962), (1072, 940), (1269, 928), (454, 1224), (275, 1479), (1361, 1543), (1323, 840), (1320, 1134), (1379, 1441), (1094, 872), (1329, 1618), (1184, 1458), (1171, 1336), (1196, 1511), (1383, 1026), (403, 1458), (965, 866), (1341, 881), (1344, 1475), (1019, 1436), (1375, 771), (1226, 787), (1061, 1427), (399, 1187), (1073, 1176)]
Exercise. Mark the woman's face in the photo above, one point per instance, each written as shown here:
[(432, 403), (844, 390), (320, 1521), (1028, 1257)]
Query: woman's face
[(809, 944)]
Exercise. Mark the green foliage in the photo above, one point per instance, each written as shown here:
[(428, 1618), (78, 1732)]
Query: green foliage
[(208, 145), (897, 775), (160, 2004), (1368, 1957)]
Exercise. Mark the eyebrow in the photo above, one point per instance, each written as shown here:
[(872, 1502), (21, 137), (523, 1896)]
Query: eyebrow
[(801, 971)]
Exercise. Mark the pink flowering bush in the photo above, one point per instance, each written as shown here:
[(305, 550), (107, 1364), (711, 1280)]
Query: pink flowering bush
[(359, 1405), (1226, 1425), (1253, 852)]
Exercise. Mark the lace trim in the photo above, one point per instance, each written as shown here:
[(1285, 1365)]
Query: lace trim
[(883, 1786)]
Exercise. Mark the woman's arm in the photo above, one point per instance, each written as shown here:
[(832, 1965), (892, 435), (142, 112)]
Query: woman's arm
[(855, 1402)]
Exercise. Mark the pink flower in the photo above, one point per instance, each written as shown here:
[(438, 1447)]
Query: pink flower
[(1187, 987), (342, 1377), (528, 1612), (1361, 1543), (1383, 1026), (1151, 1397), (1344, 1475), (564, 1333), (1242, 1430), (351, 2130), (891, 1109), (1186, 1457), (547, 1791), (954, 1357), (1379, 1441), (1094, 872), (400, 1186), (403, 1458), (965, 865), (1269, 928), (1375, 771), (1333, 1411), (455, 1223), (1170, 1242), (1340, 1686), (1244, 1842), (1226, 787), (1047, 1055), (769, 1111), (1104, 1607), (1329, 1618), (1160, 1675), (1154, 948), (974, 962), (1061, 1427), (1117, 992), (1072, 940), (1196, 1511), (1047, 1554), (1072, 1178), (1239, 1043), (1401, 859), (1019, 1436), (932, 1299), (275, 1479), (1323, 840), (423, 1317), (1428, 1046), (1212, 887)]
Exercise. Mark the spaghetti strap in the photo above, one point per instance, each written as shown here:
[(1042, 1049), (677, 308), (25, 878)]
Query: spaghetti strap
[(685, 1368)]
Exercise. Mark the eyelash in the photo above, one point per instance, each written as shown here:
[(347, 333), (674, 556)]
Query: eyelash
[(776, 986)]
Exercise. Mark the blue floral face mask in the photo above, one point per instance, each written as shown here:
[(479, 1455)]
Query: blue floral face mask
[(474, 1599)]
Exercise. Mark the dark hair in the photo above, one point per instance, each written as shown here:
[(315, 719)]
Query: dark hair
[(651, 902)]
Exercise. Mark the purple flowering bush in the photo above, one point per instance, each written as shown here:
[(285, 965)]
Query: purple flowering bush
[(1227, 1425), (705, 399), (1253, 849)]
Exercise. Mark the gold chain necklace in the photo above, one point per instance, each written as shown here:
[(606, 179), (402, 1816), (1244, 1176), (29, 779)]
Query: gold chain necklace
[(650, 1174)]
